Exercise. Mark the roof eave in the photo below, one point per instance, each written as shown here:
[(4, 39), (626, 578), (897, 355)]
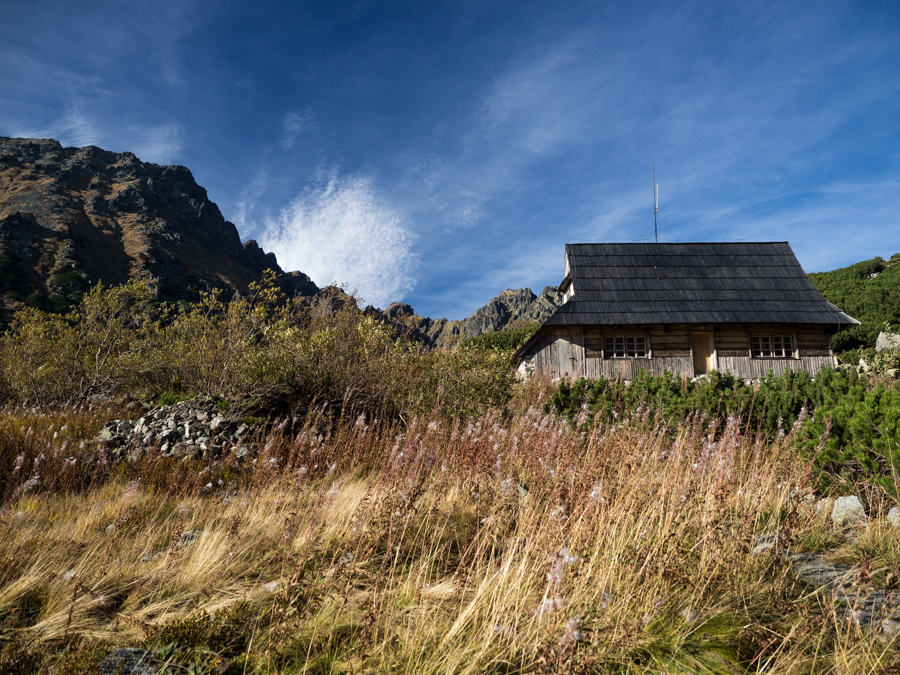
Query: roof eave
[(520, 352)]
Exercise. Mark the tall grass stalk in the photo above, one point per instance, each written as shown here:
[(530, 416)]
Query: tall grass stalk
[(508, 543)]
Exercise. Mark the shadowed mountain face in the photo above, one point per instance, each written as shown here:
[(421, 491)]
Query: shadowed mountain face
[(70, 217)]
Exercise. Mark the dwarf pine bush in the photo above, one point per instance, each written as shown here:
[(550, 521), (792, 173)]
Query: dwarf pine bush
[(848, 425)]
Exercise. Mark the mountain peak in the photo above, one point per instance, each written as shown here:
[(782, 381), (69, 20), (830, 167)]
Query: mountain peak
[(70, 217)]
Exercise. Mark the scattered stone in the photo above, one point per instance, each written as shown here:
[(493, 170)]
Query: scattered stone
[(765, 547), (128, 661), (189, 538), (191, 429), (847, 512), (887, 341), (888, 631), (875, 610), (893, 517), (689, 615), (824, 507), (815, 569)]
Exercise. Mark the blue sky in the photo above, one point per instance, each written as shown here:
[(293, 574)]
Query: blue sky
[(439, 152)]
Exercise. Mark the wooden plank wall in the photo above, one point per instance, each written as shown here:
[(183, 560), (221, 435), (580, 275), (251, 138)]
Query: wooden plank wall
[(747, 368), (573, 352), (560, 354)]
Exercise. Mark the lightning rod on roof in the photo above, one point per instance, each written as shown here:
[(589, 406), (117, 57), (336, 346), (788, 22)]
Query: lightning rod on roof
[(655, 204)]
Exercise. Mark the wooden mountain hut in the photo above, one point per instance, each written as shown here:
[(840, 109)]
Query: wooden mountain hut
[(742, 308)]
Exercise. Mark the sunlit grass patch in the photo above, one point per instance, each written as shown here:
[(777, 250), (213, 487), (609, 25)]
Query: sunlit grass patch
[(506, 544)]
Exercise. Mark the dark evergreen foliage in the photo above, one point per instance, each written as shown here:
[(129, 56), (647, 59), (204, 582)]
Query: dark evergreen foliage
[(869, 291), (848, 424)]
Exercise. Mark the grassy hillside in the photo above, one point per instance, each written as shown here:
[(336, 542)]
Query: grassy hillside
[(869, 291)]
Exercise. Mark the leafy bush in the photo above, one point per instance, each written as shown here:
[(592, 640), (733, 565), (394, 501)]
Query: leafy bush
[(878, 362), (885, 360), (323, 351)]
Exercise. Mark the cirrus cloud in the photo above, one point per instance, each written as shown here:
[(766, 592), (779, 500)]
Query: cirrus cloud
[(343, 230)]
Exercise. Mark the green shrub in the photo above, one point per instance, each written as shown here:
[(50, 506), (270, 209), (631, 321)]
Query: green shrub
[(259, 348), (507, 339), (173, 397), (885, 360)]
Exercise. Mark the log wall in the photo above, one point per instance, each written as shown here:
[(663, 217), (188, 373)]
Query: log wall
[(577, 351)]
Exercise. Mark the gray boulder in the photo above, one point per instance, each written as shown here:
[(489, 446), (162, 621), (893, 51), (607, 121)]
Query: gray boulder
[(893, 517), (848, 511), (128, 662), (887, 341)]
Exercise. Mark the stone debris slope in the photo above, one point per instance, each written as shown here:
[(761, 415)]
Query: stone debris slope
[(197, 428)]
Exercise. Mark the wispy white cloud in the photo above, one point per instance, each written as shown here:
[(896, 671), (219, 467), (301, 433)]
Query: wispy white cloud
[(158, 144), (344, 231), (293, 124), (74, 128), (246, 204)]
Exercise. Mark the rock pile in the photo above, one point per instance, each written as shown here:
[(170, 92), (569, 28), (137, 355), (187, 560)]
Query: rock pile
[(859, 602), (197, 428)]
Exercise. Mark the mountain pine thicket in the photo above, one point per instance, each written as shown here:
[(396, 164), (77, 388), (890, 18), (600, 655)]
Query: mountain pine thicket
[(869, 291)]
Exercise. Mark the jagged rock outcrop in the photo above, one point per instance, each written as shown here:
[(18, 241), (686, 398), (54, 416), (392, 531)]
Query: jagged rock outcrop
[(509, 307), (70, 217)]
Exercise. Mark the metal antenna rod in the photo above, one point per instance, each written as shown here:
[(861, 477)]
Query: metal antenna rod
[(655, 203)]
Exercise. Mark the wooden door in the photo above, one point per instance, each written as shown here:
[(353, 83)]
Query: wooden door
[(702, 351), (569, 359)]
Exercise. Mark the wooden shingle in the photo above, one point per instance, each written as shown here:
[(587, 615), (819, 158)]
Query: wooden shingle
[(616, 284)]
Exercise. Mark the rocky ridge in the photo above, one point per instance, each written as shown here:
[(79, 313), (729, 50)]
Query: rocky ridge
[(73, 217), (509, 308)]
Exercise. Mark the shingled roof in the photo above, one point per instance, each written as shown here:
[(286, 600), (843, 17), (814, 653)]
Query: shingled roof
[(628, 284)]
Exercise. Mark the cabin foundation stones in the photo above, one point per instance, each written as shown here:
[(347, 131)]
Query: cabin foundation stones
[(747, 309)]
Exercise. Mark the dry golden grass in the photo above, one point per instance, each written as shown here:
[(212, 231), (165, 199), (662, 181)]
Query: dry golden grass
[(508, 544)]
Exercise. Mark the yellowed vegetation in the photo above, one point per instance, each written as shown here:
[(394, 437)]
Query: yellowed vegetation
[(511, 543)]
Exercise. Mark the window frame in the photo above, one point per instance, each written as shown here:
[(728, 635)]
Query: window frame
[(612, 355), (788, 347)]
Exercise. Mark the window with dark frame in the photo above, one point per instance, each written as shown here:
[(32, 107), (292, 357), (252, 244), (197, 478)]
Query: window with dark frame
[(625, 347), (771, 346)]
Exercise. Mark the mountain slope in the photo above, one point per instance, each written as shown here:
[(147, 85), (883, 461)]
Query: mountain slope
[(70, 217), (869, 291)]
